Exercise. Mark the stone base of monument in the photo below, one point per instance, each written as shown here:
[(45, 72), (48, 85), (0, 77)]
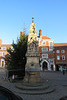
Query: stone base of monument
[(32, 77), (35, 90), (33, 83)]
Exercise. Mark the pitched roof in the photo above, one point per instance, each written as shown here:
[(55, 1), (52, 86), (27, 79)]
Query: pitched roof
[(60, 44), (45, 37)]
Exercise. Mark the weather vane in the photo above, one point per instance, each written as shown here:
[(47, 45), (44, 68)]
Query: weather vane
[(32, 19)]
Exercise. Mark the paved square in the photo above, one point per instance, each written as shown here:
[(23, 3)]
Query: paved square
[(55, 79)]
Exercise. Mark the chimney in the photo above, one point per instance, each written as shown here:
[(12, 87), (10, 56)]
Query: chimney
[(40, 32), (21, 33)]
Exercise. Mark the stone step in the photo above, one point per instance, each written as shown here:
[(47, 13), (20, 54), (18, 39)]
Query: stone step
[(32, 88), (35, 92), (44, 89)]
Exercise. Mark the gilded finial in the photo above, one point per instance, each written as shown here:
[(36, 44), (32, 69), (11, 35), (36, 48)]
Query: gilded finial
[(32, 19)]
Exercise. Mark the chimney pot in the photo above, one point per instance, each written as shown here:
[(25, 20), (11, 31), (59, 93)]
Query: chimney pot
[(40, 32), (21, 33)]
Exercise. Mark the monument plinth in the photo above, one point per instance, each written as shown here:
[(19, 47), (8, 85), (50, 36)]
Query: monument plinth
[(32, 68)]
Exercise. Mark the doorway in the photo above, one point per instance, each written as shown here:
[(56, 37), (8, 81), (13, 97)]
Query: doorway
[(45, 66), (2, 63)]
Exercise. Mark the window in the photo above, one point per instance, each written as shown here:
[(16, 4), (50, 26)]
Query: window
[(44, 49), (58, 57), (43, 42), (63, 51), (58, 51), (44, 55), (63, 57), (3, 48), (51, 45), (3, 54)]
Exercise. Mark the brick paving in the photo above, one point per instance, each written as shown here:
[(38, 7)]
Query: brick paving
[(55, 79)]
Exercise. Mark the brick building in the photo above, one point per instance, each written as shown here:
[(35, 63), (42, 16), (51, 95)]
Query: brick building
[(53, 56), (60, 52), (46, 49)]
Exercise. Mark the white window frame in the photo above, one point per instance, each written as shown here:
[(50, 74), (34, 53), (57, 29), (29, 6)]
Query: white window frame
[(50, 46), (63, 56), (57, 51), (44, 49), (62, 51), (3, 48), (58, 57), (44, 55)]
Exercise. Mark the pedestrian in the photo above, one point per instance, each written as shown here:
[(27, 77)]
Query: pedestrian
[(13, 77), (63, 72)]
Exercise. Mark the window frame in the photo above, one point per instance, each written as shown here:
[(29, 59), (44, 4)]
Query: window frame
[(58, 56), (3, 48), (44, 55), (63, 56), (62, 51), (57, 51), (43, 49), (50, 46)]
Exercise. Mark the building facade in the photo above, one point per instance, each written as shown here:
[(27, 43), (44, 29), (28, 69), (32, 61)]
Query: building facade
[(60, 52), (46, 49), (53, 56), (3, 53)]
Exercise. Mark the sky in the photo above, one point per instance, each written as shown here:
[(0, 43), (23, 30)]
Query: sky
[(49, 15)]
